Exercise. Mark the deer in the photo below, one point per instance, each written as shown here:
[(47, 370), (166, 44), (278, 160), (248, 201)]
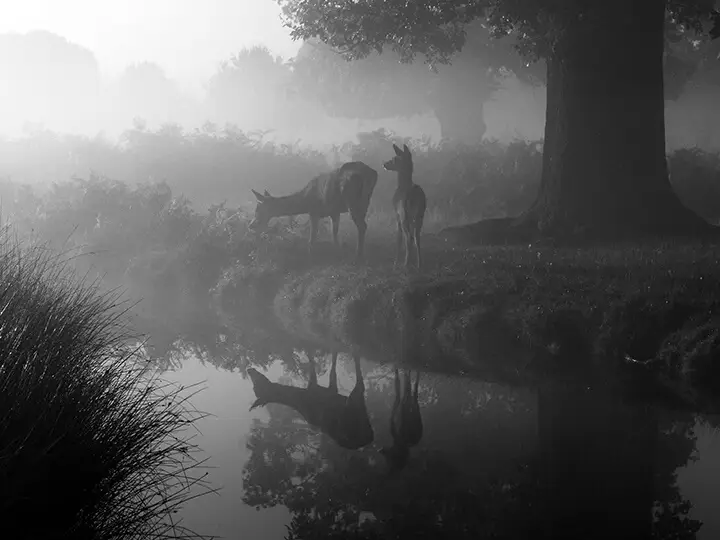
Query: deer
[(347, 189), (343, 418), (406, 427), (409, 203)]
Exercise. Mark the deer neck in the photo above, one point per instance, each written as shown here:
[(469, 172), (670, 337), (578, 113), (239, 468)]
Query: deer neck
[(404, 180), (291, 205)]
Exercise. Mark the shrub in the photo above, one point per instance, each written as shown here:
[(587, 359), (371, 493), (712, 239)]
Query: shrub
[(87, 436)]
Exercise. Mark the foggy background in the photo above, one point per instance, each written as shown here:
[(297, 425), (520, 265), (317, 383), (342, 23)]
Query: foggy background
[(97, 69)]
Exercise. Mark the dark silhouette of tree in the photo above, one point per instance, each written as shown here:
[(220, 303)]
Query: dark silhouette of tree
[(604, 172)]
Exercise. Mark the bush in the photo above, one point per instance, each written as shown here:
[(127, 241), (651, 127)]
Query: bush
[(87, 436)]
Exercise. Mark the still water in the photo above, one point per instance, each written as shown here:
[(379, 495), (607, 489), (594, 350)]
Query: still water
[(491, 461)]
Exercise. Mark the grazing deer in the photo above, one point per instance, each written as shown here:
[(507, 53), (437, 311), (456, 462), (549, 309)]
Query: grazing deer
[(343, 419), (406, 425), (409, 202), (348, 188)]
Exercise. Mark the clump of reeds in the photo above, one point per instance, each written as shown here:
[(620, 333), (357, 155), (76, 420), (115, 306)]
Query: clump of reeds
[(91, 446)]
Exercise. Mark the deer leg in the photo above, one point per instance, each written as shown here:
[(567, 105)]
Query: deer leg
[(408, 384), (313, 230), (417, 383), (335, 229), (361, 225), (359, 382), (416, 241), (395, 408), (313, 374), (333, 387), (398, 243), (407, 240)]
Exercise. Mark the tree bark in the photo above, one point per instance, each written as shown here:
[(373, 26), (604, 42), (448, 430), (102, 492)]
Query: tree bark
[(604, 167)]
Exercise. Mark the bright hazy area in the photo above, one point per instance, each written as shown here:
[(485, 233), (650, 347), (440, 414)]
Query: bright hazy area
[(86, 67)]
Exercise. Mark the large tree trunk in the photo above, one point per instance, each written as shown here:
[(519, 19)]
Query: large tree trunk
[(604, 167)]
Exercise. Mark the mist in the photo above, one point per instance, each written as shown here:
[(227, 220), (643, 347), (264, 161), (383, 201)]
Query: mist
[(189, 197), (51, 83)]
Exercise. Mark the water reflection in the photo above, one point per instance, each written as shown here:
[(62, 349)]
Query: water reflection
[(406, 427), (488, 460), (344, 419)]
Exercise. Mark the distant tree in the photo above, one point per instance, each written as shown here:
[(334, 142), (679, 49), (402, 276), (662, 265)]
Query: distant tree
[(604, 172), (144, 91), (381, 86), (49, 81), (251, 91)]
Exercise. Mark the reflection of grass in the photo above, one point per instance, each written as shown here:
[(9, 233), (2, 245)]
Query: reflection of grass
[(84, 437), (654, 303)]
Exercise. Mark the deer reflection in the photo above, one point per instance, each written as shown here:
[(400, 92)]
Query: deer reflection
[(406, 425), (343, 418)]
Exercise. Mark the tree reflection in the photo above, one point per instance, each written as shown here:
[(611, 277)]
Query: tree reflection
[(406, 425), (330, 492)]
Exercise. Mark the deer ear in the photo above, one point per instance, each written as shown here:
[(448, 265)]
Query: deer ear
[(397, 150), (267, 193), (259, 197), (406, 149)]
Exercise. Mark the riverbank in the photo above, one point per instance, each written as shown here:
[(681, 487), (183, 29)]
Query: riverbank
[(512, 314)]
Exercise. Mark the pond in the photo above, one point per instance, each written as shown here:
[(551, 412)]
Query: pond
[(561, 461)]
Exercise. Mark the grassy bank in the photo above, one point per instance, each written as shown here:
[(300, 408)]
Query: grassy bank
[(511, 314), (92, 447)]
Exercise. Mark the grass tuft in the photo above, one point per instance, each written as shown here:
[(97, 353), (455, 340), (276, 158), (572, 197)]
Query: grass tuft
[(86, 435)]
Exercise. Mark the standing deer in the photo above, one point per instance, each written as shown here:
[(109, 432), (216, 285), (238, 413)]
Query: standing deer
[(343, 419), (348, 188), (406, 425), (409, 202)]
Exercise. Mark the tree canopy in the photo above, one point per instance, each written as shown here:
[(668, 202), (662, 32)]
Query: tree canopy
[(437, 29)]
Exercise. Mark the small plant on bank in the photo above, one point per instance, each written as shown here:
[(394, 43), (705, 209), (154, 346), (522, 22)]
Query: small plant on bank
[(91, 446)]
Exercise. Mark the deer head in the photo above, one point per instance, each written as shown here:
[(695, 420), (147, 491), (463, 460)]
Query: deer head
[(402, 162), (263, 211)]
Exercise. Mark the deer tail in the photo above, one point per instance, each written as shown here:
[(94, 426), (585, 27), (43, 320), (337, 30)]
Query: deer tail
[(261, 387)]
